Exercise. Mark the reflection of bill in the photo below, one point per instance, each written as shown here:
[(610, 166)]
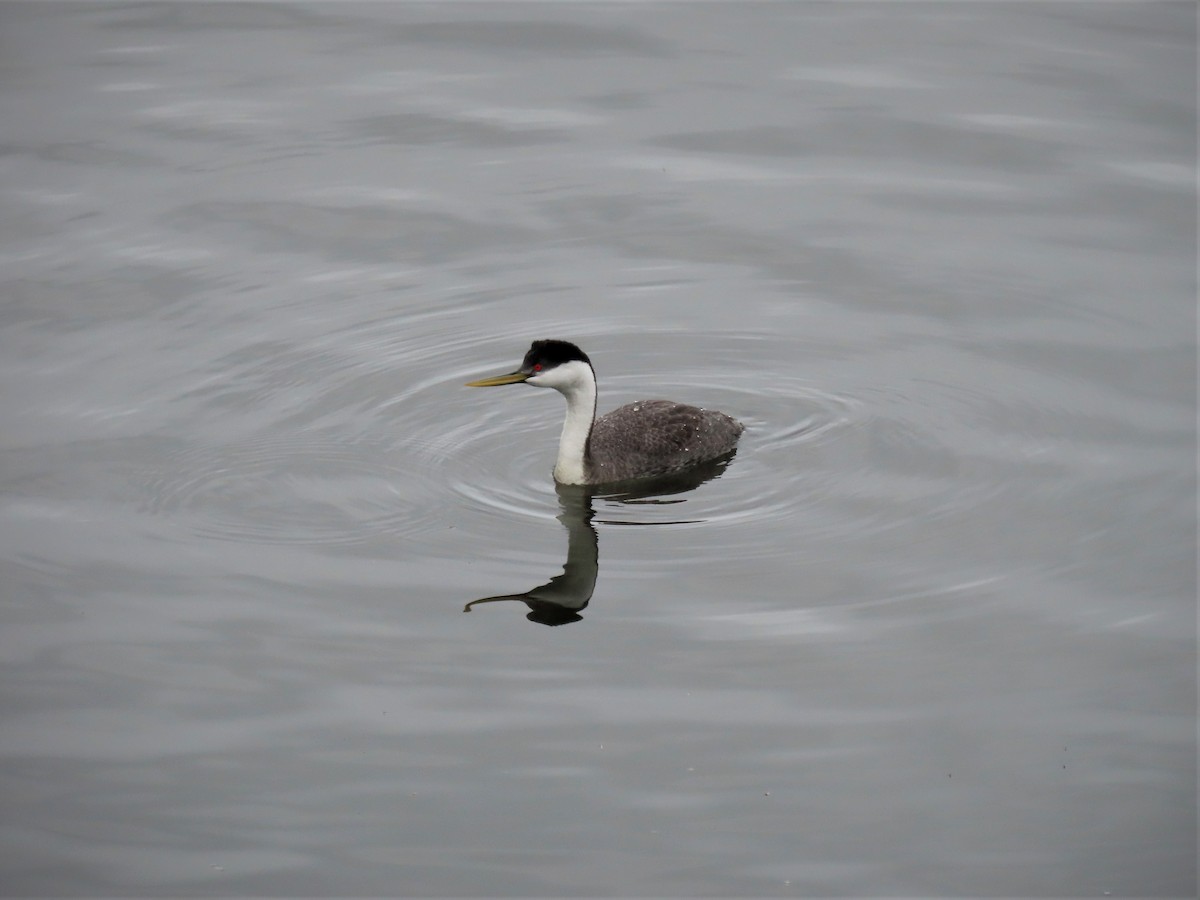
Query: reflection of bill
[(559, 600), (562, 599)]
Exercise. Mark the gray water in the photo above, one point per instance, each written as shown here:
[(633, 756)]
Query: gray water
[(932, 631)]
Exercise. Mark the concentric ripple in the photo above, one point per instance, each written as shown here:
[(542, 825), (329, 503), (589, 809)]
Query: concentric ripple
[(507, 444), (368, 433), (331, 437), (315, 491)]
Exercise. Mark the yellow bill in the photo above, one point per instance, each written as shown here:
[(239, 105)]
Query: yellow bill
[(495, 380)]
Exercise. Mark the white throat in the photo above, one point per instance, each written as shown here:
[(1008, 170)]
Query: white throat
[(577, 383)]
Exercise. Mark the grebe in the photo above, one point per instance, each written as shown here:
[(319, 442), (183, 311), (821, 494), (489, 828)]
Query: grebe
[(643, 439)]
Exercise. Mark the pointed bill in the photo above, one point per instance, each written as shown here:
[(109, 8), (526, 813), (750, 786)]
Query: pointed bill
[(495, 380)]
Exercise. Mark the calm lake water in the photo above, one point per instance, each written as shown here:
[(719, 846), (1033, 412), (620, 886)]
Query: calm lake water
[(931, 632)]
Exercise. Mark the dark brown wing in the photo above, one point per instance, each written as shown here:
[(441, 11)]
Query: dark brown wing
[(652, 437)]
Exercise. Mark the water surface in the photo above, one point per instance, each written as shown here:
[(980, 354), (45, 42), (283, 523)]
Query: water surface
[(932, 631)]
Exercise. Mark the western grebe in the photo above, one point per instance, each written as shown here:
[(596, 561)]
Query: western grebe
[(639, 440)]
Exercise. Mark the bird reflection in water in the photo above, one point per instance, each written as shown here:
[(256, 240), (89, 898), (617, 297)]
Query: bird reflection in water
[(562, 599)]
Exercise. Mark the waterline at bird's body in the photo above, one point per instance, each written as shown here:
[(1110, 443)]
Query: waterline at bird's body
[(643, 439)]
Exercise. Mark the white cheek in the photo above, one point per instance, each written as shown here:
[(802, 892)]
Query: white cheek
[(565, 377)]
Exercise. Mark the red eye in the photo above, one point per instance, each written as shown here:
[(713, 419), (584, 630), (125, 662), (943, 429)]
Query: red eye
[(537, 367)]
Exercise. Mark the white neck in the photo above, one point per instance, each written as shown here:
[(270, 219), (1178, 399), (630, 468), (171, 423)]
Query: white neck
[(581, 410), (577, 383)]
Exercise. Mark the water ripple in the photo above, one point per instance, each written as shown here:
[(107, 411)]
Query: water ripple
[(373, 435), (506, 446), (319, 491)]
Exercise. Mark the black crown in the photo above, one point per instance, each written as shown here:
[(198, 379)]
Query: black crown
[(553, 353)]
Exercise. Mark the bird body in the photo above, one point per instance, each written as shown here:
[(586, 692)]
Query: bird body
[(656, 437), (643, 439)]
